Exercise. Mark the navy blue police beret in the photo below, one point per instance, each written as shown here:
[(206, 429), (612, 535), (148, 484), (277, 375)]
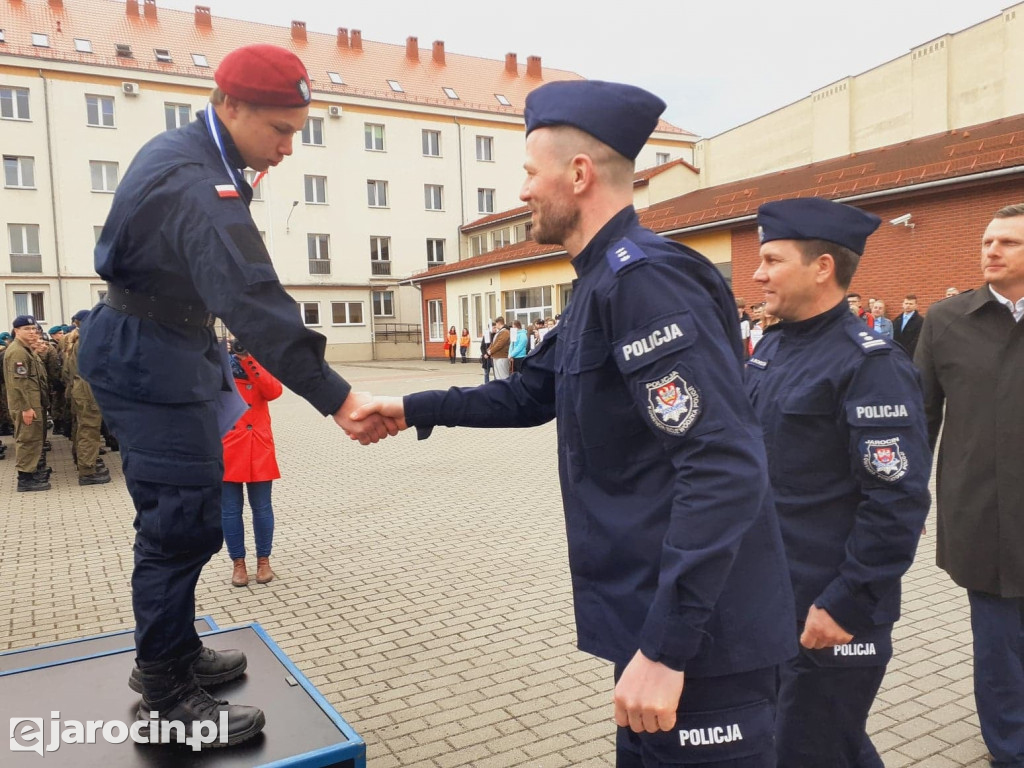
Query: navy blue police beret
[(22, 320), (622, 116), (814, 218), (80, 315)]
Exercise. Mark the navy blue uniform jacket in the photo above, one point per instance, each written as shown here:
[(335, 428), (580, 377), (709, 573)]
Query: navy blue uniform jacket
[(848, 454), (170, 234), (674, 547)]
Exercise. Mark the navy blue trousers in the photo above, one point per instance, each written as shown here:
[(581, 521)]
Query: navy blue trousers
[(722, 722), (998, 627), (171, 455)]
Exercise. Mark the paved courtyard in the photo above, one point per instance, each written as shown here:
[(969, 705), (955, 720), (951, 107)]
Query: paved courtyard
[(423, 588)]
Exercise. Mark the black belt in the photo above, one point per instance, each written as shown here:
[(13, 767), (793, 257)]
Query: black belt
[(158, 308)]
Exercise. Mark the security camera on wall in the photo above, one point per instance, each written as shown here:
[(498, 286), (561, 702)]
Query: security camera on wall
[(903, 220)]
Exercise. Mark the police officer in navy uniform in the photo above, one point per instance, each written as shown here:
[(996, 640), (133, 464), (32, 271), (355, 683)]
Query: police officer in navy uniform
[(848, 455), (178, 249), (678, 571)]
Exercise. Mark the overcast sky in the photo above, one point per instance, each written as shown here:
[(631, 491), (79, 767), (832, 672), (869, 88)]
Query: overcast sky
[(717, 64)]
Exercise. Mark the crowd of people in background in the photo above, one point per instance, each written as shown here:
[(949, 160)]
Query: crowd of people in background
[(503, 349)]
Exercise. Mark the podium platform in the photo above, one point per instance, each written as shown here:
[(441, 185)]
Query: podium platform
[(86, 679)]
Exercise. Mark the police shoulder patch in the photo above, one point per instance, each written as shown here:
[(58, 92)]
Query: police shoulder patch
[(868, 342), (884, 459), (622, 253), (673, 404)]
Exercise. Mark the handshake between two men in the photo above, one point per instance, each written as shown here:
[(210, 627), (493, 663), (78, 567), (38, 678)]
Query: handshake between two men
[(370, 419)]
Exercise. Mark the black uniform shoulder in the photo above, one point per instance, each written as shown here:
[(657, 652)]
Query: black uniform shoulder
[(864, 338)]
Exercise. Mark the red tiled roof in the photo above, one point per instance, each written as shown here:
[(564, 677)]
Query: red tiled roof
[(105, 23), (647, 174), (986, 147)]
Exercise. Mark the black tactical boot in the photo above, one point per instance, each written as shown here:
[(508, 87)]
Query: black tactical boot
[(171, 690), (27, 481), (43, 474), (210, 668), (96, 478)]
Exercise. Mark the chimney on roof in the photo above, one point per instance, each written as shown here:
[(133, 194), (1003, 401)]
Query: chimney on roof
[(533, 66), (342, 37), (357, 40), (511, 64), (132, 7), (299, 30), (203, 17), (439, 51), (149, 9), (412, 48), (57, 4)]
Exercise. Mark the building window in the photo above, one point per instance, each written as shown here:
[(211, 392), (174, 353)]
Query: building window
[(199, 60), (450, 93), (435, 250), (104, 176), (435, 314), (319, 249), (528, 305), (501, 237), (502, 100), (124, 50), (478, 245), (485, 149), (661, 158), (82, 45), (377, 194), (373, 137), (162, 54), (433, 197), (464, 312), (99, 111), (19, 172), (431, 143), (310, 312), (347, 312), (522, 231), (478, 315), (316, 189), (14, 103), (257, 189), (313, 131), (383, 303), (485, 200), (24, 240), (335, 78), (40, 40), (380, 255), (177, 115), (396, 86), (97, 232), (29, 303)]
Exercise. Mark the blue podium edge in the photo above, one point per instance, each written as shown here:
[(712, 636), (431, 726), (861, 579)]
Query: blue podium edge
[(129, 632), (310, 759)]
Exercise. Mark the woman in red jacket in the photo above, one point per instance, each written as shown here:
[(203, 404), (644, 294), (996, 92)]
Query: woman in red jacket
[(249, 459)]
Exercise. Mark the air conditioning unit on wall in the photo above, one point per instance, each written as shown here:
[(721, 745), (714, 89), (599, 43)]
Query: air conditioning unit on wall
[(130, 89), (335, 111)]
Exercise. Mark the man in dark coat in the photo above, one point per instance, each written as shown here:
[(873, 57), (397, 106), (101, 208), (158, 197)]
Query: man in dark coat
[(906, 328), (971, 356)]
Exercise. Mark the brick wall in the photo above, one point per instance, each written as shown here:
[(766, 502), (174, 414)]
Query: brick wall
[(943, 248), (432, 291)]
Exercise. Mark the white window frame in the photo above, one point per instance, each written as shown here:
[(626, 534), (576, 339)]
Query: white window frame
[(307, 305), (199, 60), (40, 40), (348, 313), (176, 115), (373, 139), (431, 141), (501, 237), (479, 244), (24, 174), (83, 45), (97, 103), (433, 197), (485, 149), (660, 158), (15, 99), (162, 55), (396, 86), (383, 303), (23, 246), (432, 249), (435, 318), (315, 189), (109, 174), (376, 193), (22, 300), (336, 78), (503, 100), (380, 248), (313, 132), (97, 232), (451, 93), (257, 191), (318, 246), (485, 200)]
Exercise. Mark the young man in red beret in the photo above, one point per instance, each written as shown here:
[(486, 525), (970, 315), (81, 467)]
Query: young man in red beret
[(179, 248)]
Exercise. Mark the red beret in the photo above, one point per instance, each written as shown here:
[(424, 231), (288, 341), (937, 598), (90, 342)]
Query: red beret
[(264, 75)]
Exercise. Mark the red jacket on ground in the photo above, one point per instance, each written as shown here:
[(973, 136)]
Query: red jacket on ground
[(249, 445)]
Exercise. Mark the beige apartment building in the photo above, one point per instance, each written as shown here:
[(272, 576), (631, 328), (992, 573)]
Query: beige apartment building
[(402, 147)]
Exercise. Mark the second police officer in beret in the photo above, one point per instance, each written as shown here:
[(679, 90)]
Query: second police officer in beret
[(179, 248), (849, 462), (678, 572)]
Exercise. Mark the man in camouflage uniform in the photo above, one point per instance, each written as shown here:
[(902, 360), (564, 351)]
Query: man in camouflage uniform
[(85, 435), (26, 382)]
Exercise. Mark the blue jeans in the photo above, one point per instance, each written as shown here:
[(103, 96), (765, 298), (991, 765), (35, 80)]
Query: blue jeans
[(998, 627), (262, 518)]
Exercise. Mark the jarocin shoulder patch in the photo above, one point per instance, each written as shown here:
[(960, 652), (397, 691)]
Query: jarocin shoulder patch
[(885, 460)]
